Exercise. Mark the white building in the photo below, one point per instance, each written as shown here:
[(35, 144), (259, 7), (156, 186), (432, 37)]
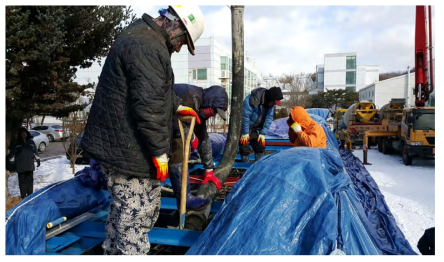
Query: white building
[(340, 71), (210, 65), (380, 93)]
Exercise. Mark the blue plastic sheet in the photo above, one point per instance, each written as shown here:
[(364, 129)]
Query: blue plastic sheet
[(322, 112), (295, 202), (387, 235), (279, 128), (217, 146), (26, 224)]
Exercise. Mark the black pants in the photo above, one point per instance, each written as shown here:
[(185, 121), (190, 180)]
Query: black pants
[(26, 183), (257, 146)]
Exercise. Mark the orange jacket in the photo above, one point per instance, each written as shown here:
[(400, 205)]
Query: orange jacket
[(312, 134)]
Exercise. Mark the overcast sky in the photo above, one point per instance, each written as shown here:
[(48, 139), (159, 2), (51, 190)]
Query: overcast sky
[(294, 39), (286, 39)]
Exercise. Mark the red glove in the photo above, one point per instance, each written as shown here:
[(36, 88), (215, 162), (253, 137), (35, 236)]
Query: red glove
[(209, 176), (244, 139), (184, 110), (161, 163), (194, 143)]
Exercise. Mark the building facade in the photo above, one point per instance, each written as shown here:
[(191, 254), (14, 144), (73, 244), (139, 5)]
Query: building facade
[(380, 93), (340, 71), (211, 65)]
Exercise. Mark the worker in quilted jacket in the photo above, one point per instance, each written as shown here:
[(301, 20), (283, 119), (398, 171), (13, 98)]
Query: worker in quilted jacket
[(304, 131), (207, 103), (129, 125), (257, 117)]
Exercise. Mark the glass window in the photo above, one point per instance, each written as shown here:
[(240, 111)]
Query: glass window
[(223, 66), (194, 74), (34, 133), (223, 63), (351, 62), (57, 127), (351, 88), (425, 121), (223, 59), (350, 78), (202, 74)]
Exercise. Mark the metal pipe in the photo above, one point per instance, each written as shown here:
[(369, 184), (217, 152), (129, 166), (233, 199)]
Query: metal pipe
[(430, 51), (224, 168), (407, 89), (56, 222)]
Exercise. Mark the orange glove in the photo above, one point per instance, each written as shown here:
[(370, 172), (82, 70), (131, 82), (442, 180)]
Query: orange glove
[(209, 176), (184, 110), (161, 163), (244, 139), (261, 138)]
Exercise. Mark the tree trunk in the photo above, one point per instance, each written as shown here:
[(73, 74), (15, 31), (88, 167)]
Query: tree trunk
[(43, 120)]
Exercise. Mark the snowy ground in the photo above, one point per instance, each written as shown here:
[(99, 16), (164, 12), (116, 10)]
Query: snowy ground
[(50, 171), (409, 191)]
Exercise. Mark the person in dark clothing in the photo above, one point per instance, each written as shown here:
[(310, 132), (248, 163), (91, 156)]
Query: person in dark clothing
[(426, 243), (207, 103), (257, 117), (129, 125), (23, 153)]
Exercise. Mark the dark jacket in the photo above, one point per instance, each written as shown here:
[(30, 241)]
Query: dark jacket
[(197, 98), (23, 152), (256, 114), (130, 118), (426, 243)]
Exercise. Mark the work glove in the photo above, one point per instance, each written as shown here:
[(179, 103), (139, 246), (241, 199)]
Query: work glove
[(209, 176), (244, 139), (296, 127), (261, 138), (12, 159), (161, 163), (184, 110), (194, 143), (38, 162)]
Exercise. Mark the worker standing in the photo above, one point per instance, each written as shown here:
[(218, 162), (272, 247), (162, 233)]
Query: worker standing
[(207, 103), (257, 117), (129, 125), (304, 131)]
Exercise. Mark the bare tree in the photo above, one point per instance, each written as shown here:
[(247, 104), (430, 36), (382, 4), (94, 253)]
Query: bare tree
[(298, 86), (73, 126)]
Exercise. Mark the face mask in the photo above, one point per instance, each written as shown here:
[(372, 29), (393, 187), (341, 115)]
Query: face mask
[(209, 112)]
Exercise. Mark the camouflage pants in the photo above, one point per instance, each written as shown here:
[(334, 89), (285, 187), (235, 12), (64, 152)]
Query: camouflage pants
[(133, 212)]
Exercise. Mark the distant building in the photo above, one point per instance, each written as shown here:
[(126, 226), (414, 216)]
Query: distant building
[(340, 71), (381, 92), (211, 65)]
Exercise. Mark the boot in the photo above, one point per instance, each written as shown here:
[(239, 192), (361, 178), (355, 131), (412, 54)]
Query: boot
[(258, 156), (245, 159), (193, 203)]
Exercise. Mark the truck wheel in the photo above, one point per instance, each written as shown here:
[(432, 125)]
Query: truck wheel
[(385, 147), (406, 158), (380, 144)]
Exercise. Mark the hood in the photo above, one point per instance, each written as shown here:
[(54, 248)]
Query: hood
[(257, 97), (300, 115), (23, 129), (215, 97)]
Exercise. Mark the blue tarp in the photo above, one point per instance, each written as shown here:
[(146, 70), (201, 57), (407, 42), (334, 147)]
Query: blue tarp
[(297, 201), (217, 146), (322, 112), (26, 224), (387, 235)]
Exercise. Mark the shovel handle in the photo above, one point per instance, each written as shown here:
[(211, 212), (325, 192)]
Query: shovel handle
[(186, 156)]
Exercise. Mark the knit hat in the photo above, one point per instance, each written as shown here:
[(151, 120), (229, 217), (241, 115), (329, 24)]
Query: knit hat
[(274, 94)]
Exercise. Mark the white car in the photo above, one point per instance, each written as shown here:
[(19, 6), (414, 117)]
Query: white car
[(40, 140)]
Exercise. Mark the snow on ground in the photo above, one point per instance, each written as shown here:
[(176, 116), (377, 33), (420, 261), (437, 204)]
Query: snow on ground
[(49, 172), (409, 191)]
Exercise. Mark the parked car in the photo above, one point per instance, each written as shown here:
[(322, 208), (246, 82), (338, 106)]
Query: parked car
[(53, 132), (40, 140), (82, 156)]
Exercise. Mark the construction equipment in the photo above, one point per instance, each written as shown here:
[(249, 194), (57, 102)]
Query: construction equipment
[(359, 118), (338, 124), (411, 130)]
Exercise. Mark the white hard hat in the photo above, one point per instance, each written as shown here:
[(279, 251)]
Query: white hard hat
[(193, 20)]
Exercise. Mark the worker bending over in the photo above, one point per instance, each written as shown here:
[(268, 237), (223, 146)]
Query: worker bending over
[(304, 131)]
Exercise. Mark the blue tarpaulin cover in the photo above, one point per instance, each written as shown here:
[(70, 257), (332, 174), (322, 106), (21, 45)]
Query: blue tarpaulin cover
[(26, 224), (304, 201)]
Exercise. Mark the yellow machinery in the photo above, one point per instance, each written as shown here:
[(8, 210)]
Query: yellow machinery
[(359, 118), (408, 131)]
